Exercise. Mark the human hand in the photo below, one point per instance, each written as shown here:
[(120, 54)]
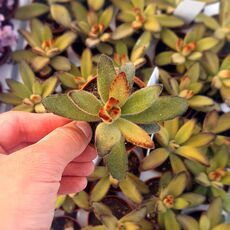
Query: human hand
[(41, 155)]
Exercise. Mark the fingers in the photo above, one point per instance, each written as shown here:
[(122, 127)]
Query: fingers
[(89, 154), (62, 145), (72, 185), (82, 169), (19, 127)]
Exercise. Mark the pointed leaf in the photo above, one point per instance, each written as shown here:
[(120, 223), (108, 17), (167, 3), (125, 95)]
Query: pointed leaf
[(164, 58), (141, 100), (155, 158), (117, 161), (10, 98), (60, 63), (60, 14), (214, 212), (39, 62), (82, 200), (152, 25), (169, 38), (63, 106), (59, 201), (193, 199), (49, 86), (169, 21), (200, 139), (86, 101), (134, 134), (192, 154), (187, 222), (135, 216), (206, 43), (65, 40), (86, 64), (122, 31), (107, 135), (170, 221), (106, 74), (129, 70), (106, 17)]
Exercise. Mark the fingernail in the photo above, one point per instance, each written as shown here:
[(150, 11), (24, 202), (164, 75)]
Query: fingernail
[(85, 127)]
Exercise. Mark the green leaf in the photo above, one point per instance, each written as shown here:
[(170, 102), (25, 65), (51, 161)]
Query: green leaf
[(60, 63), (129, 70), (31, 11), (193, 199), (200, 102), (60, 14), (68, 80), (226, 63), (214, 212), (23, 55), (122, 31), (187, 222), (106, 17), (96, 5), (169, 38), (27, 74), (210, 62), (24, 108), (85, 101), (151, 128), (134, 133), (192, 153), (29, 38), (119, 88), (164, 108), (100, 189), (59, 201), (117, 161), (65, 40), (170, 221), (107, 135), (222, 227), (206, 43), (176, 186), (152, 24), (155, 158), (79, 11), (10, 98), (200, 139), (169, 21), (135, 216), (39, 62), (208, 21), (106, 74), (141, 185), (185, 132), (164, 58), (180, 203), (18, 88), (204, 222), (86, 64), (63, 106), (48, 86), (195, 34), (141, 100), (81, 199)]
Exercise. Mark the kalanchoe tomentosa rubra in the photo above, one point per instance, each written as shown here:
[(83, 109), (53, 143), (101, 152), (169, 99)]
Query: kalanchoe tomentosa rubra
[(119, 111)]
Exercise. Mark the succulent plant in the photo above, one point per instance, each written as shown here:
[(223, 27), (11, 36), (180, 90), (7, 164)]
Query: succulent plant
[(219, 25), (213, 178), (118, 112), (171, 198), (176, 141), (185, 51), (136, 55), (218, 74), (141, 14), (133, 220), (189, 86), (93, 24), (77, 77), (212, 219), (27, 96), (45, 49)]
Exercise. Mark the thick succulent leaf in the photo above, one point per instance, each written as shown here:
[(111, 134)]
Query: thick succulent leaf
[(65, 40), (63, 106), (122, 31), (10, 98), (104, 214), (224, 91), (106, 136), (68, 80), (192, 153), (130, 190), (200, 102), (86, 64), (214, 212), (39, 62), (129, 70), (48, 86), (117, 160), (60, 14), (143, 41), (224, 15), (134, 133), (123, 5), (141, 185), (96, 5), (210, 62), (59, 201), (135, 216), (18, 89), (81, 199), (119, 88), (141, 100), (106, 74), (195, 34), (195, 167), (164, 108), (85, 101), (27, 74), (23, 55), (164, 58), (200, 139), (24, 108), (100, 189), (206, 43), (68, 205), (106, 17), (37, 87), (79, 11), (177, 164), (208, 21), (98, 173), (152, 25), (194, 199), (176, 186), (29, 38), (154, 159), (180, 203), (226, 63), (60, 63), (172, 127), (187, 222), (169, 21), (162, 137), (170, 221), (37, 30), (169, 38), (204, 222), (31, 11), (222, 227), (185, 132)]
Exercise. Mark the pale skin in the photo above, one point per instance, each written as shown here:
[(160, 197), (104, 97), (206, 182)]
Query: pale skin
[(41, 155)]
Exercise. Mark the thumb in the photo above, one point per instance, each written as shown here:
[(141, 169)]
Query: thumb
[(59, 147)]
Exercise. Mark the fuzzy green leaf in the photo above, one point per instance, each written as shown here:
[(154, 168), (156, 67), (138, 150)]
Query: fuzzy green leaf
[(129, 70), (164, 58), (169, 38), (65, 40), (60, 14), (49, 86), (60, 63), (206, 43), (10, 98), (122, 31)]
